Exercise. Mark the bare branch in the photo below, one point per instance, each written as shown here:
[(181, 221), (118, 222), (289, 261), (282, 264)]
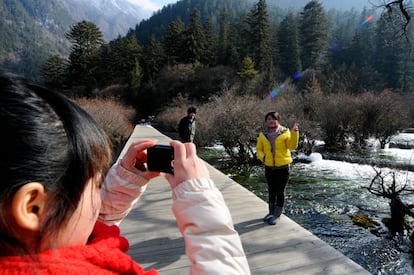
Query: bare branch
[(400, 6)]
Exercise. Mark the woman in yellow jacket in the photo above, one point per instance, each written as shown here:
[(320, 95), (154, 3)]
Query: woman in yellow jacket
[(273, 150)]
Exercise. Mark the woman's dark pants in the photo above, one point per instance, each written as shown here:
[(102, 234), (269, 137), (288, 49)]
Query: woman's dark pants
[(277, 179)]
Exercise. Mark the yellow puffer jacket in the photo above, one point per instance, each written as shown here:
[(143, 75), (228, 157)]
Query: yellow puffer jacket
[(285, 142)]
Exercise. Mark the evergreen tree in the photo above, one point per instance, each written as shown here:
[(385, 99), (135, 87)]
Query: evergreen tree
[(260, 38), (136, 79), (343, 30), (239, 42), (154, 58), (157, 23), (248, 70), (274, 46), (104, 71), (313, 33), (351, 54), (248, 75), (86, 38), (313, 85), (210, 56), (394, 57), (223, 40), (54, 72), (123, 56), (269, 80), (195, 41), (288, 45), (174, 41), (361, 43)]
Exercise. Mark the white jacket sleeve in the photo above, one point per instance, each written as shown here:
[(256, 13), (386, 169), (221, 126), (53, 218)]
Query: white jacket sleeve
[(120, 191), (212, 244)]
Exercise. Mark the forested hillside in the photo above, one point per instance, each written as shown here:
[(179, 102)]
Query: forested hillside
[(156, 24), (327, 4), (198, 48), (29, 31), (202, 45), (277, 9)]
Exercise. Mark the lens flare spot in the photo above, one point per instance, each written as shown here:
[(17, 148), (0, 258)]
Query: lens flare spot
[(296, 76), (368, 19), (333, 46), (273, 93)]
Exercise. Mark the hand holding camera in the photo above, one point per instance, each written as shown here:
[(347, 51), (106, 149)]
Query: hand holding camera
[(187, 165), (135, 159), (179, 161)]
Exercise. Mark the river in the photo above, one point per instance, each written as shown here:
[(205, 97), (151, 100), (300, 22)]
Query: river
[(323, 193)]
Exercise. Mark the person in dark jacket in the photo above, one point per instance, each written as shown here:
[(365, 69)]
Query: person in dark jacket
[(187, 126)]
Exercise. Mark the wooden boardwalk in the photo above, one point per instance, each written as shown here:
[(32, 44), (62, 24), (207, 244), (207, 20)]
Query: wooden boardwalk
[(286, 248)]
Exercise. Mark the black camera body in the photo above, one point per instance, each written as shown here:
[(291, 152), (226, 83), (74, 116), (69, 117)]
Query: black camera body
[(159, 158)]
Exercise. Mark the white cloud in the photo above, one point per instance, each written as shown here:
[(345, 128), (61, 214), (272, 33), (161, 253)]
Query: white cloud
[(146, 4)]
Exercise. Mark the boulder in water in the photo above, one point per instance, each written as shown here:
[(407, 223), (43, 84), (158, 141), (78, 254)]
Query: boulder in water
[(308, 159)]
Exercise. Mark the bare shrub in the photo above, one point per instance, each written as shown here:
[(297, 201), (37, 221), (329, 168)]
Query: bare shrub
[(285, 102), (367, 113), (407, 103), (303, 108), (378, 116), (112, 91), (115, 118), (235, 123), (335, 115), (345, 118)]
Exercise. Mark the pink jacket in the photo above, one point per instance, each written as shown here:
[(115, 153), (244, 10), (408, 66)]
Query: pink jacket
[(199, 209)]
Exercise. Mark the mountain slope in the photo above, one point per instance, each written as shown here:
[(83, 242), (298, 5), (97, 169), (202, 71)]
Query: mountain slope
[(31, 30), (113, 17)]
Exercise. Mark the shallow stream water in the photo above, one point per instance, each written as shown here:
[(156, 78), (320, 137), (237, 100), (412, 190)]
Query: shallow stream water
[(322, 195)]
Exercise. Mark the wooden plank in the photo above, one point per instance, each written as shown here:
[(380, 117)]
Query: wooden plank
[(285, 248)]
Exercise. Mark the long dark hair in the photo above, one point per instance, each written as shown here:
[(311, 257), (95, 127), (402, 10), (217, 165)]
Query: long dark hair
[(49, 139)]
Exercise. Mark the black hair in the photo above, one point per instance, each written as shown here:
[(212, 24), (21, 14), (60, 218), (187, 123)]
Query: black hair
[(46, 138), (274, 115), (191, 110)]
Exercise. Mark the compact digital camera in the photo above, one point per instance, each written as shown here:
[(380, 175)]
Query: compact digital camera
[(160, 157)]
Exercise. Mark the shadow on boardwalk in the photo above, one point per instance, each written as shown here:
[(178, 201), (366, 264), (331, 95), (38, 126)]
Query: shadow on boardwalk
[(285, 248)]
